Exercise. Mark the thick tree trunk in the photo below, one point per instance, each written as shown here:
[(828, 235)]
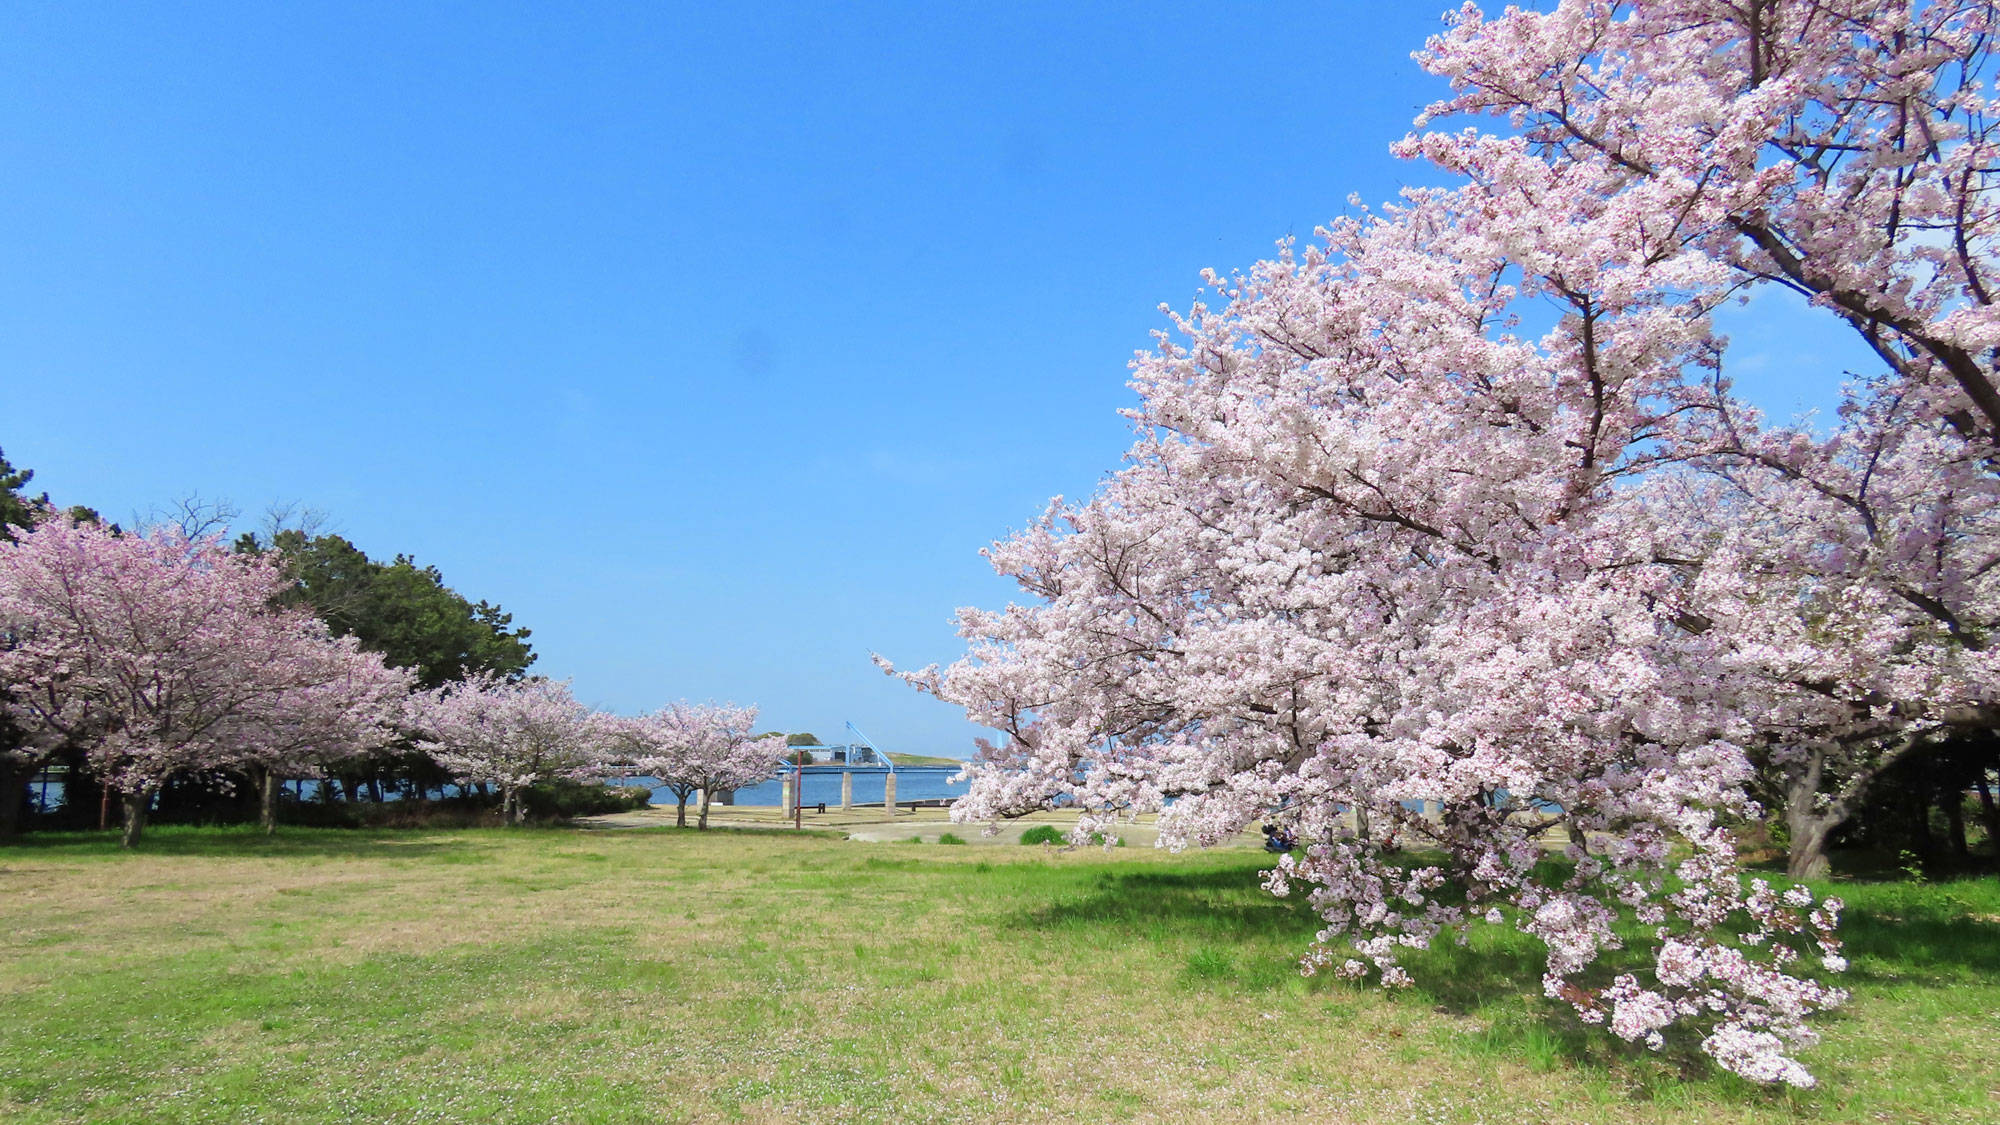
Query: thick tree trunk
[(1989, 812), (136, 807), (1806, 857), (1812, 824), (1953, 797), (701, 820), (681, 810), (13, 782), (375, 789), (1920, 823), (267, 801)]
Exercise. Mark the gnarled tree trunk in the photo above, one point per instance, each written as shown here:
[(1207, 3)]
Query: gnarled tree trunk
[(1954, 820), (1806, 858), (1989, 811), (137, 805), (1808, 827), (1811, 823), (13, 782), (707, 797), (1920, 823), (267, 800)]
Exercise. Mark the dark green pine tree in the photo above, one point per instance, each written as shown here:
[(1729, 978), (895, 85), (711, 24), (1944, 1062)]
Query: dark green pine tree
[(15, 508), (408, 614)]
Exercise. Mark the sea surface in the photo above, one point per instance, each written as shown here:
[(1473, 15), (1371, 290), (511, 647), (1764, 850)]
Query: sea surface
[(913, 783)]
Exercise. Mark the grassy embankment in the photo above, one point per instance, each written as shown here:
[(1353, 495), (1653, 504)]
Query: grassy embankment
[(563, 975), (922, 760)]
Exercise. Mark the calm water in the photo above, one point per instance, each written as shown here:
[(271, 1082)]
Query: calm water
[(913, 783)]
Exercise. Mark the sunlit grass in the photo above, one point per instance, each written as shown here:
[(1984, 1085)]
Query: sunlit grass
[(544, 975)]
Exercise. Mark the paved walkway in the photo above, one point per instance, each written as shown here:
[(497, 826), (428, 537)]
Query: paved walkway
[(870, 825)]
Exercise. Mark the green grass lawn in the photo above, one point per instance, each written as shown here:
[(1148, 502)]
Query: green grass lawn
[(597, 976)]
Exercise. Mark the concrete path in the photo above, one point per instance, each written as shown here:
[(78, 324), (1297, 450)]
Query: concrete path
[(870, 826)]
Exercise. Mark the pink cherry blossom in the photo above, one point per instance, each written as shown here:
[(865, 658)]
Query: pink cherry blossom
[(166, 656), (700, 748), (510, 734), (1393, 566)]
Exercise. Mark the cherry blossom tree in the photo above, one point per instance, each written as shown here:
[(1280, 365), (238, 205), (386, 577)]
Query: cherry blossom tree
[(701, 747), (347, 702), (164, 655), (509, 734), (1390, 565), (640, 744)]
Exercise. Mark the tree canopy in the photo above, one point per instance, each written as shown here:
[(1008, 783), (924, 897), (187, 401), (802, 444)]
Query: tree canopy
[(404, 611), (14, 507)]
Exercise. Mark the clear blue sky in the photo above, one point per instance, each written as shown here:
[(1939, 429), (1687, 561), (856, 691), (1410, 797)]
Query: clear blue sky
[(711, 341)]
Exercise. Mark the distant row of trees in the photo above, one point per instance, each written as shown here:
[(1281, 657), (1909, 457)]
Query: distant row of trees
[(513, 733), (144, 660)]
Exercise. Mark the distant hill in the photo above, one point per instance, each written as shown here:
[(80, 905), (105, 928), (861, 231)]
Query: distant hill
[(922, 760)]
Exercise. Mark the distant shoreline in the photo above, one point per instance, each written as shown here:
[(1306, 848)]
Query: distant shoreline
[(922, 760)]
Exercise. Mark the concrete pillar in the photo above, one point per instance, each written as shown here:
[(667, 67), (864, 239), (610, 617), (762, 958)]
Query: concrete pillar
[(785, 800), (696, 799), (846, 792), (889, 796)]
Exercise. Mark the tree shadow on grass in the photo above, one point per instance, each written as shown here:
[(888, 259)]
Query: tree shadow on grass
[(1903, 929), (1493, 987), (1232, 935), (1225, 927), (250, 843), (1196, 905), (1927, 946), (1910, 934)]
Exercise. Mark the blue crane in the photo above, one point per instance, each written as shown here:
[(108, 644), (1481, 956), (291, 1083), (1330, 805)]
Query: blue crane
[(863, 740)]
